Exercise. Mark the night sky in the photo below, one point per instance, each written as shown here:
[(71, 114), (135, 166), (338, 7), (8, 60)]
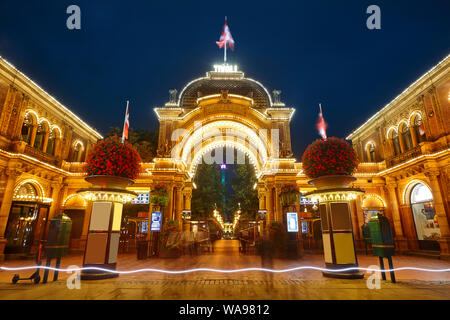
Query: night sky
[(313, 51)]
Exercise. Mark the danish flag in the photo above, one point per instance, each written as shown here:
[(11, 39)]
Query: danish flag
[(422, 129), (126, 125), (321, 124), (225, 38)]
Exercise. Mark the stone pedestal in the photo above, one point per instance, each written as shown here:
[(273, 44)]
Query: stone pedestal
[(108, 196), (337, 231)]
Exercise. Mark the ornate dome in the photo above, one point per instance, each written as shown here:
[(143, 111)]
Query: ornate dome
[(233, 82)]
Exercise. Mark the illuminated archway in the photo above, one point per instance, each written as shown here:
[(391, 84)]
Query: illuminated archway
[(199, 154), (195, 143)]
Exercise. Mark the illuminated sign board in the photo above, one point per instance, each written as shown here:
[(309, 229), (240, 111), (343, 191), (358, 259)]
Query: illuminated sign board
[(304, 227), (225, 68), (292, 222), (144, 227), (156, 221)]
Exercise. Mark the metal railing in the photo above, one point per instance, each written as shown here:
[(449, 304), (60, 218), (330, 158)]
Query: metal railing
[(412, 153), (40, 155)]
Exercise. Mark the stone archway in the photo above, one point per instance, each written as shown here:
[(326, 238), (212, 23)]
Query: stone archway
[(224, 109)]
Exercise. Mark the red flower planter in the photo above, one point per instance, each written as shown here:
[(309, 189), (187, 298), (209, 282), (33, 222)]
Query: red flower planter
[(111, 157), (330, 157)]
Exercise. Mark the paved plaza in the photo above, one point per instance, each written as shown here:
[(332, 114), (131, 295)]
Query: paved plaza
[(305, 284)]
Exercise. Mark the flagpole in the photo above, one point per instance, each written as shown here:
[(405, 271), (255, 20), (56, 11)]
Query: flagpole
[(225, 52), (124, 123)]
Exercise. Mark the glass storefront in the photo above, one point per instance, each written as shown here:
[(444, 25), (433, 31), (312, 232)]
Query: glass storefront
[(25, 222), (425, 218)]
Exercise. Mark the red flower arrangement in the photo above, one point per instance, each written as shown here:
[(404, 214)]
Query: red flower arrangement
[(159, 195), (332, 156), (160, 189), (288, 194), (112, 158), (169, 227)]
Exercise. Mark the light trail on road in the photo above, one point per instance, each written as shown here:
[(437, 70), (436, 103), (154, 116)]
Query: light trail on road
[(221, 270)]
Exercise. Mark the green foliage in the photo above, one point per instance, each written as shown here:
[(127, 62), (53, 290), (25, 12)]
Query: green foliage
[(208, 193), (159, 195), (159, 200), (145, 142), (243, 191)]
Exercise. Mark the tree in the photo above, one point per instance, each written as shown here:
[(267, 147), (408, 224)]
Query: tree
[(145, 142), (208, 193), (243, 191)]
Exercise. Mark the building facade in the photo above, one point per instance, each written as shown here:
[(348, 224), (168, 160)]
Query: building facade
[(403, 149), (40, 140)]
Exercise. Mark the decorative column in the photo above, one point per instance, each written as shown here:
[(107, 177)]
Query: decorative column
[(57, 151), (11, 174), (179, 207), (170, 206), (269, 203), (33, 134), (108, 195), (45, 144), (390, 152), (5, 115), (396, 218), (438, 202), (88, 148), (278, 208), (187, 195), (402, 143), (56, 191), (413, 135), (262, 198)]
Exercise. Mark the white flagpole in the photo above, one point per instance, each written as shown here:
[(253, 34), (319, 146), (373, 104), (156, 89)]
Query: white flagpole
[(124, 123)]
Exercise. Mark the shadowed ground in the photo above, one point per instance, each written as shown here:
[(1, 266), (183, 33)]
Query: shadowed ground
[(306, 284)]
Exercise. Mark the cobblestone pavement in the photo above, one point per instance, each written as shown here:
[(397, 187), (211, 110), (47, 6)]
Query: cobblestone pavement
[(306, 284)]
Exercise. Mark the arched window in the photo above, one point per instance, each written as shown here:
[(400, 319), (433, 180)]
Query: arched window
[(372, 157), (25, 190), (40, 134), (396, 143), (370, 152), (406, 136), (77, 151), (51, 143), (425, 219), (419, 129), (26, 128)]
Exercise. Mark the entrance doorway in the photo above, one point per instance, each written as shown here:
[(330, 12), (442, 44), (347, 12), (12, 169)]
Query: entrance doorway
[(26, 222), (425, 219)]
